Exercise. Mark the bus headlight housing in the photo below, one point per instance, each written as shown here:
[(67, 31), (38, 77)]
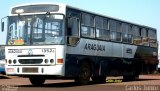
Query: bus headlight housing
[(46, 61), (10, 61), (14, 61), (51, 61)]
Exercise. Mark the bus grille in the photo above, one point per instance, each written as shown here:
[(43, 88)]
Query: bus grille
[(30, 61)]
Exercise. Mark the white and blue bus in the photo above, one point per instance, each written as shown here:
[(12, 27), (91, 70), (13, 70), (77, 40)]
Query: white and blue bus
[(52, 40), (2, 59), (3, 41)]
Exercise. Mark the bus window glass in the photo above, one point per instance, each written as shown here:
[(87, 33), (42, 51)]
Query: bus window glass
[(87, 20), (130, 29), (118, 27), (125, 28), (152, 34), (125, 32), (119, 30), (112, 25), (99, 22), (102, 34), (113, 36), (105, 24), (137, 39), (101, 28), (135, 30), (73, 27), (125, 37), (144, 33), (152, 38), (145, 38), (87, 26), (35, 29), (118, 36), (87, 31), (130, 38)]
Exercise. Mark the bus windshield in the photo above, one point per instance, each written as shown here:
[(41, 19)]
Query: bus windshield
[(36, 29)]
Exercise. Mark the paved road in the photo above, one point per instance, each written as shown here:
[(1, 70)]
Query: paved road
[(146, 83)]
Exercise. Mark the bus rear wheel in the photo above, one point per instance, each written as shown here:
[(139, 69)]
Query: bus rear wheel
[(37, 80), (84, 74)]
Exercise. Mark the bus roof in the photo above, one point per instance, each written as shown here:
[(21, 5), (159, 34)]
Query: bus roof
[(117, 19), (65, 5)]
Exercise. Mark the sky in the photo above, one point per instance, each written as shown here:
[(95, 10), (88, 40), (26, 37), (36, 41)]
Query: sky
[(144, 12)]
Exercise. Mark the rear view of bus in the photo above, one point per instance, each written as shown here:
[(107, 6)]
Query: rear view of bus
[(36, 39)]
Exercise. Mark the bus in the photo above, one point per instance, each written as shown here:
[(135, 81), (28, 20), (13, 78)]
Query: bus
[(2, 59), (3, 35), (54, 40)]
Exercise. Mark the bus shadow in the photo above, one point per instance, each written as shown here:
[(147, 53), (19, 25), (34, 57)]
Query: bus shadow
[(139, 80), (4, 77), (58, 85), (73, 84)]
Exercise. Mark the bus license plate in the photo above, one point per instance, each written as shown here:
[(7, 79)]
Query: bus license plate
[(30, 70)]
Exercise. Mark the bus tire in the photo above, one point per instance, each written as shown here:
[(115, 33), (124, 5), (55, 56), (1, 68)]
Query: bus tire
[(84, 74), (99, 79), (37, 80)]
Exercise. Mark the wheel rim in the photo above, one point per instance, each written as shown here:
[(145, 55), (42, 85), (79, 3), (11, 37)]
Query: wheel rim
[(85, 74)]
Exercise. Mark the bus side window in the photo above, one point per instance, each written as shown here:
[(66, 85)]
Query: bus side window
[(137, 39), (152, 38), (112, 28), (125, 28), (73, 30), (145, 38), (87, 26), (101, 25)]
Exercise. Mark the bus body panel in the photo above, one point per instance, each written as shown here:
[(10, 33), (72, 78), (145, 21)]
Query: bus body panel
[(113, 59), (102, 48)]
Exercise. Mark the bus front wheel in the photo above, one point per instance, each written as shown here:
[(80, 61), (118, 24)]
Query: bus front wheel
[(37, 80), (84, 74)]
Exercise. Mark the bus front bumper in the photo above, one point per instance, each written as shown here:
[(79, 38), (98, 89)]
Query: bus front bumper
[(35, 70)]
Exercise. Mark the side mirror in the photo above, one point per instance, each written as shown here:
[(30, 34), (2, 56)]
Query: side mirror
[(2, 24)]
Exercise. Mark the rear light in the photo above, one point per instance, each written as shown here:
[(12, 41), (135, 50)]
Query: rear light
[(59, 60)]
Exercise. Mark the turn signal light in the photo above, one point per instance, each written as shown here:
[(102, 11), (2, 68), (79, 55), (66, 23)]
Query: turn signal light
[(59, 60)]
